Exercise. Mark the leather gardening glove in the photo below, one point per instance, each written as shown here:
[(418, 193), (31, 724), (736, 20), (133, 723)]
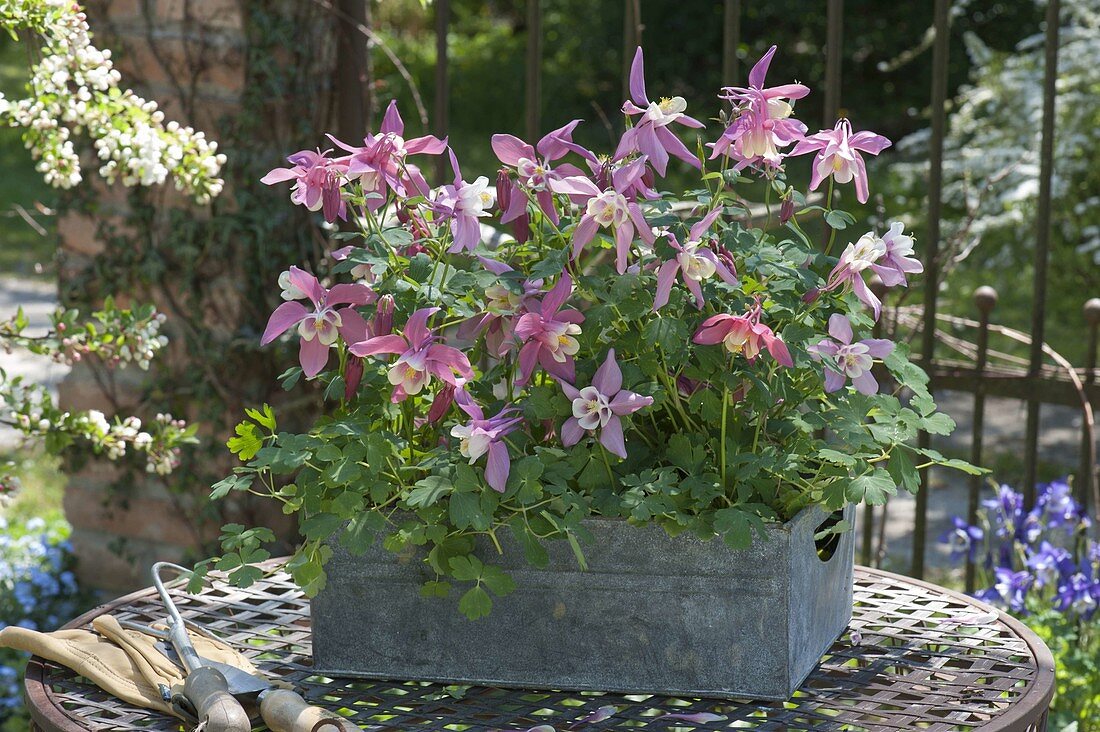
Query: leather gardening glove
[(125, 663), (95, 658)]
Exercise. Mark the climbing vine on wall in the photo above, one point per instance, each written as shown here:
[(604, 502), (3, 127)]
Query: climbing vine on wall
[(210, 269)]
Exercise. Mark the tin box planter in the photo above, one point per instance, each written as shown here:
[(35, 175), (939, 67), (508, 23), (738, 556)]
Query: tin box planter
[(652, 613)]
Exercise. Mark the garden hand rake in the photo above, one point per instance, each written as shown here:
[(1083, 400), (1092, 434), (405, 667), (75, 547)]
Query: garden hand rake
[(282, 709), (204, 685)]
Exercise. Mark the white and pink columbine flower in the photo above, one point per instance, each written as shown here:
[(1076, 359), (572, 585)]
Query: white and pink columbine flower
[(318, 181), (776, 98), (765, 125), (600, 407), (549, 334), (856, 258), (503, 307), (846, 360), (897, 261), (481, 436), (651, 136), (613, 208), (535, 172), (888, 256), (694, 262), (319, 328), (464, 203), (419, 357), (380, 163), (838, 155)]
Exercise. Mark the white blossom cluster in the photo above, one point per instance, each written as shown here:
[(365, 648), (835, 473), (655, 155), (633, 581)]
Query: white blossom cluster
[(117, 336), (29, 408), (139, 342), (991, 151), (74, 89), (113, 438)]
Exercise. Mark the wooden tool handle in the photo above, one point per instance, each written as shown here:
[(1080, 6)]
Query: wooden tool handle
[(285, 711), (208, 691)]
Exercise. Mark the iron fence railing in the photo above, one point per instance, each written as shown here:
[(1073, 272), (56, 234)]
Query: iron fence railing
[(1031, 379)]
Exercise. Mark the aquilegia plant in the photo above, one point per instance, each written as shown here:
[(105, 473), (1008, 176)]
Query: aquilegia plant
[(1033, 560), (1043, 565), (624, 353)]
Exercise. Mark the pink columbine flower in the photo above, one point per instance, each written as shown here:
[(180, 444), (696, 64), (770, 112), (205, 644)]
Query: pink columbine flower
[(755, 138), (534, 172), (694, 262), (846, 360), (651, 136), (502, 307), (743, 334), (380, 163), (764, 125), (600, 406), (611, 208), (838, 154), (775, 98), (854, 260), (897, 261), (420, 357), (464, 203), (317, 182), (549, 333), (318, 328), (482, 436)]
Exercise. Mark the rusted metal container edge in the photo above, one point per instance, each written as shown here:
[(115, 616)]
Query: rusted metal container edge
[(652, 614)]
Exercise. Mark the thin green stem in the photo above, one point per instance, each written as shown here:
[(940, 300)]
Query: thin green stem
[(607, 464), (768, 208), (829, 207), (722, 436)]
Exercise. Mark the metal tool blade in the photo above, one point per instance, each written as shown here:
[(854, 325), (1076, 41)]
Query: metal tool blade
[(239, 680)]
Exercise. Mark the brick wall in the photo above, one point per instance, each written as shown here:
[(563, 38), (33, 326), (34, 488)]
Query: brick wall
[(190, 56)]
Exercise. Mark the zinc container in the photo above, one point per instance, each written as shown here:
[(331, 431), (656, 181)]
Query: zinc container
[(652, 614)]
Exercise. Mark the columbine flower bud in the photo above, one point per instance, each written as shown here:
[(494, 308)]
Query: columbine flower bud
[(811, 296), (441, 404), (786, 210), (504, 190), (353, 376), (383, 317), (603, 175), (521, 228)]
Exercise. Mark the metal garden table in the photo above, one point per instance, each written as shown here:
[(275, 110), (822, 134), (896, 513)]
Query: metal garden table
[(914, 667)]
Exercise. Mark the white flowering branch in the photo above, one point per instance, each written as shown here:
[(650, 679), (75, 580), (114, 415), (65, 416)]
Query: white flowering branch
[(73, 89), (116, 336)]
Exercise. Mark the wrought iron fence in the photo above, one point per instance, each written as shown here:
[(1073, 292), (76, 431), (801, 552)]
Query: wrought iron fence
[(980, 371)]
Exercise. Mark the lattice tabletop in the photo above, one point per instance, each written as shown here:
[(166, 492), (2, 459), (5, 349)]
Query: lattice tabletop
[(915, 667)]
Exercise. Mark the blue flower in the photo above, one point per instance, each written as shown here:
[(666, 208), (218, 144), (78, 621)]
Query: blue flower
[(1057, 506), (1079, 594), (1010, 590), (1007, 517), (1050, 564), (964, 540)]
